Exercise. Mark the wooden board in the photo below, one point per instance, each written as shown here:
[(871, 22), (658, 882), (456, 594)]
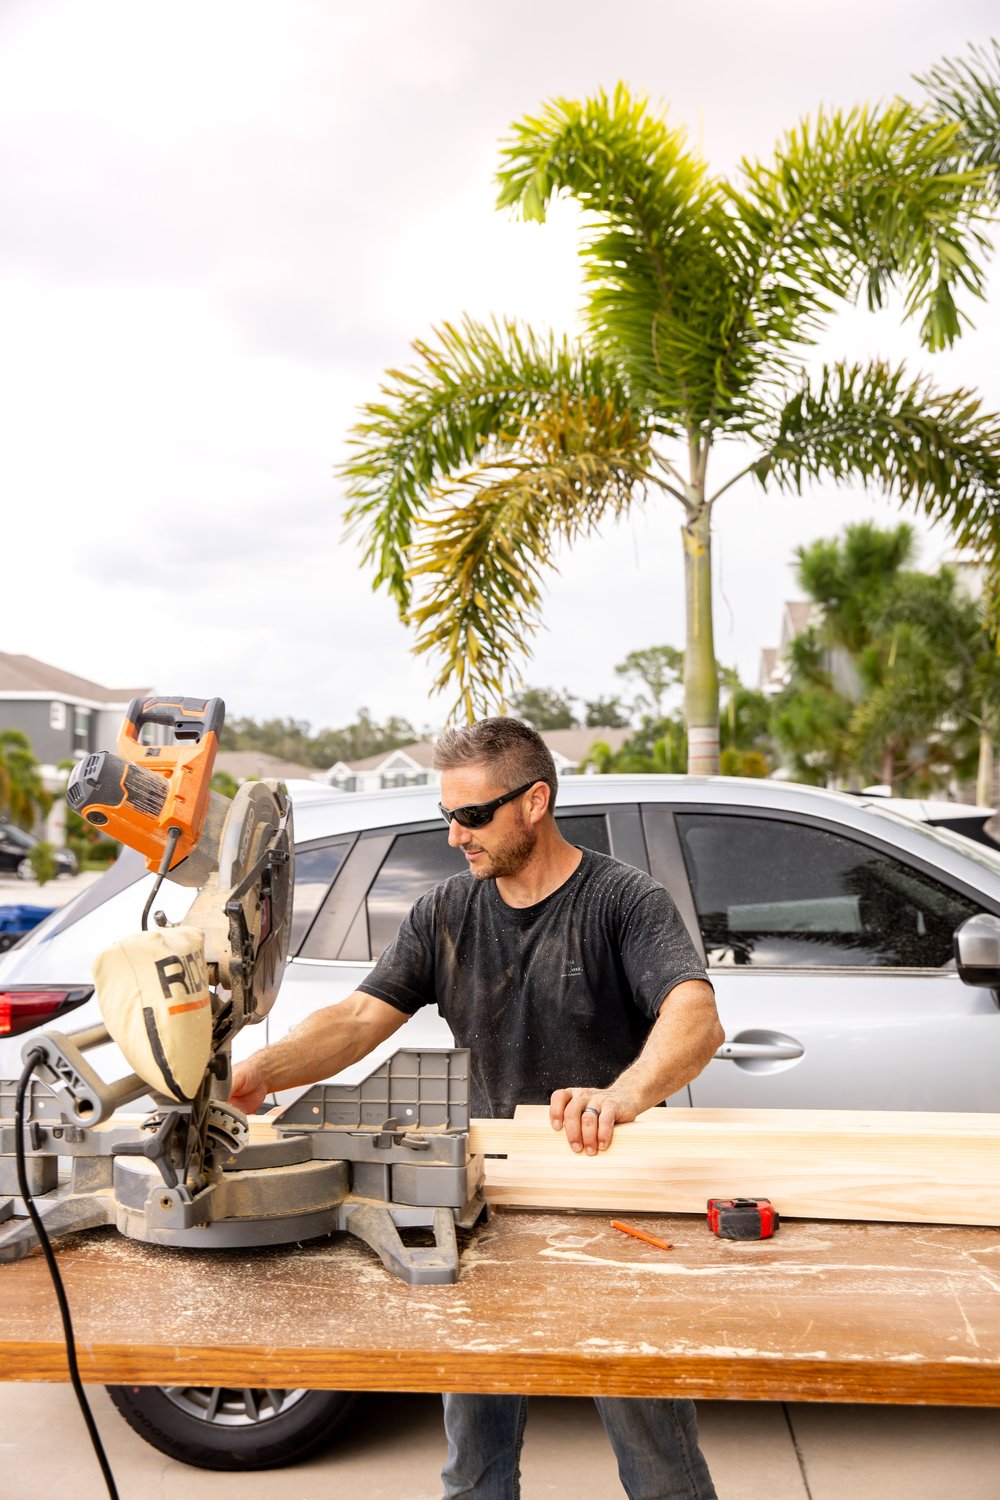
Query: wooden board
[(868, 1165), (557, 1304)]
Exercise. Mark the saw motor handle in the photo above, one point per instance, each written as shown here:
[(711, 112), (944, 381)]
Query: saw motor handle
[(189, 718)]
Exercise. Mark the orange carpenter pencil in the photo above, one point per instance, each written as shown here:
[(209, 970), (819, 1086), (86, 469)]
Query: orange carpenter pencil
[(640, 1234)]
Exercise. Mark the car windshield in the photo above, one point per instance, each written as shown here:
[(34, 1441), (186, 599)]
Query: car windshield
[(981, 854)]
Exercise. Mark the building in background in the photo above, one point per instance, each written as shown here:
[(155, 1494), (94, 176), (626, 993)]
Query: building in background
[(411, 765), (65, 717)]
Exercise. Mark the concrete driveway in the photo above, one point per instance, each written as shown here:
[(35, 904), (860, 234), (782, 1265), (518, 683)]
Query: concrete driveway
[(14, 891), (755, 1451)]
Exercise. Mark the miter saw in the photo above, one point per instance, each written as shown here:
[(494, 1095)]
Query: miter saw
[(390, 1153)]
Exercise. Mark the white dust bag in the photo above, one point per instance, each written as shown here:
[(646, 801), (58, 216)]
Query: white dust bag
[(153, 992)]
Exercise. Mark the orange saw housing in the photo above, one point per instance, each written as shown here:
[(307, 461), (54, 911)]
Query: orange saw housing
[(139, 794)]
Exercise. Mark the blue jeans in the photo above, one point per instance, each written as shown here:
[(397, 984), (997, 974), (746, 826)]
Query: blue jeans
[(655, 1442)]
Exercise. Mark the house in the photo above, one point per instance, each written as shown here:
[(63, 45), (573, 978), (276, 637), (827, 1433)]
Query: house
[(257, 765), (64, 716), (411, 765), (798, 616)]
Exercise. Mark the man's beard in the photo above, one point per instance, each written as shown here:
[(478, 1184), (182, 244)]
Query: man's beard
[(509, 857)]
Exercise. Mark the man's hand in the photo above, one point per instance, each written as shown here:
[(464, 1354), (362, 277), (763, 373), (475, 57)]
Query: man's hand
[(248, 1087), (589, 1116)]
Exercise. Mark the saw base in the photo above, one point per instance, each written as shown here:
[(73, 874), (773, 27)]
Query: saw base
[(340, 1161)]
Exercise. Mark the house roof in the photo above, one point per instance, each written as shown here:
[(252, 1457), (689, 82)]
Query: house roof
[(244, 765), (421, 752), (798, 616), (25, 674), (573, 744)]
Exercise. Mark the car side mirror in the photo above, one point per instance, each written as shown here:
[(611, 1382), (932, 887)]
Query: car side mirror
[(977, 951)]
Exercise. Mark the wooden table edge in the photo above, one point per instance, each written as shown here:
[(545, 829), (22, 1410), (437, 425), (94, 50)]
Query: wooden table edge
[(953, 1382)]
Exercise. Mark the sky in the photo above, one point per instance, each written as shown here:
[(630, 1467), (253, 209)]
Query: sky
[(222, 221)]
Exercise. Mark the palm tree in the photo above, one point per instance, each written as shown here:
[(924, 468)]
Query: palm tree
[(22, 792), (899, 678), (946, 667), (704, 295)]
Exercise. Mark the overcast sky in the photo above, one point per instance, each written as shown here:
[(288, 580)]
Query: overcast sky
[(221, 221)]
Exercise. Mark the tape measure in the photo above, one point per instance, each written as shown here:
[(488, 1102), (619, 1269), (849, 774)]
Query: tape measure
[(742, 1218)]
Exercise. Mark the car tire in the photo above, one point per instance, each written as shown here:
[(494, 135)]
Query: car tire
[(221, 1427), (24, 870)]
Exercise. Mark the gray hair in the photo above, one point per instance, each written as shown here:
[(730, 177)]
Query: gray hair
[(512, 750)]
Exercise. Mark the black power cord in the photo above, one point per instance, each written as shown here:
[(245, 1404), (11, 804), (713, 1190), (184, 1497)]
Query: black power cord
[(34, 1057), (170, 844)]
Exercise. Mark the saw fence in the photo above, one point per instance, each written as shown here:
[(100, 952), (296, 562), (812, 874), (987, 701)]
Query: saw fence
[(819, 1164)]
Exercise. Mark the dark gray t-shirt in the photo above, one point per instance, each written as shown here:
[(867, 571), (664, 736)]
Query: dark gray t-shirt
[(557, 995)]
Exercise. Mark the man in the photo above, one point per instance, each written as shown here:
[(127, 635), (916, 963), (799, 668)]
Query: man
[(571, 979)]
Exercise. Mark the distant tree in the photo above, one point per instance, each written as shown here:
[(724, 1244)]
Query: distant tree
[(810, 718), (224, 784), (659, 747), (916, 702), (292, 739), (849, 577), (744, 763), (544, 708), (358, 740), (605, 713), (288, 739), (744, 727), (658, 668), (939, 690)]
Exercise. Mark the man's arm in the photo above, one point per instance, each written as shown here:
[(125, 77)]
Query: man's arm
[(684, 1038), (322, 1044)]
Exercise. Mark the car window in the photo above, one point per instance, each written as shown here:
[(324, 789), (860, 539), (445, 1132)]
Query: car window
[(415, 862), (770, 891), (420, 860), (315, 869), (585, 830)]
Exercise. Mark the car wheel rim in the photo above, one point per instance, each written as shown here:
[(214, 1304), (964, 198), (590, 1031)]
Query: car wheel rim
[(227, 1406)]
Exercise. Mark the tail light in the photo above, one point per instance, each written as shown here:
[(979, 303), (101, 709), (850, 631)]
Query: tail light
[(24, 1009)]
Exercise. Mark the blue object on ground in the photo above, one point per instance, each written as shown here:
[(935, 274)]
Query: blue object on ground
[(17, 919)]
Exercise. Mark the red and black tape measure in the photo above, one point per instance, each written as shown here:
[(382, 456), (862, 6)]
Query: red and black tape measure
[(742, 1218)]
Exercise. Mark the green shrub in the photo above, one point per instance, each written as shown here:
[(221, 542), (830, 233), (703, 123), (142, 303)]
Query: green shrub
[(42, 859)]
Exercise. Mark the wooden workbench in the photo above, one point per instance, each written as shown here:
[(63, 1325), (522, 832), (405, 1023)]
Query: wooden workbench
[(551, 1303)]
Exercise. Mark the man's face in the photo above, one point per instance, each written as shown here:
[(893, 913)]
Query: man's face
[(505, 845)]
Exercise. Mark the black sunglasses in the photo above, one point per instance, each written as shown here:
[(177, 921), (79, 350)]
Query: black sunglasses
[(478, 814)]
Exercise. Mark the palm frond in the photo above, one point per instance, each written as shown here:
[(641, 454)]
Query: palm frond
[(484, 556), (654, 273), (470, 394), (966, 91), (851, 204), (873, 425)]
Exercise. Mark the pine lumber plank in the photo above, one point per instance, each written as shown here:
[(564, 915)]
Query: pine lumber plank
[(865, 1165)]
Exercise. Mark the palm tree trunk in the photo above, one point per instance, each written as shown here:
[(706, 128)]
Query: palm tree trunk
[(701, 682), (984, 775)]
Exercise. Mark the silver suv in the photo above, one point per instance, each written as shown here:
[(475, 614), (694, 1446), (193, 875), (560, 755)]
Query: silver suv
[(827, 923)]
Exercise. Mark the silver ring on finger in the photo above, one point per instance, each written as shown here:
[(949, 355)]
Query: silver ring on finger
[(589, 1109)]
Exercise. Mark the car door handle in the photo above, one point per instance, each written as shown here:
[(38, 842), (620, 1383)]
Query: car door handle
[(737, 1050)]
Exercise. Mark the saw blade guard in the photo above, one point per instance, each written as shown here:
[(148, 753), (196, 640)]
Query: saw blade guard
[(245, 910)]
